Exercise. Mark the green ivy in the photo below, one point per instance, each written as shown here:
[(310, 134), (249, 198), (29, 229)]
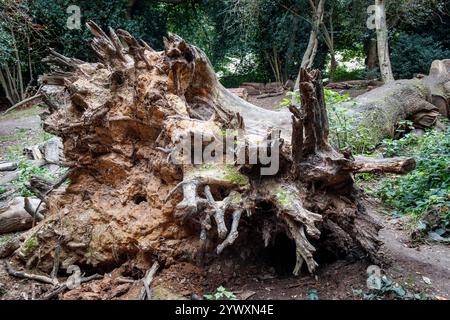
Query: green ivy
[(423, 194), (221, 294)]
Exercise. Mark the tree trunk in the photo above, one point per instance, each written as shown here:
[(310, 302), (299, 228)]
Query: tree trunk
[(14, 217), (329, 40), (379, 111), (317, 7), (134, 193), (382, 42), (371, 55)]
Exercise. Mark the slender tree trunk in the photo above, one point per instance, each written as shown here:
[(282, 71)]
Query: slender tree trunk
[(329, 40), (290, 50), (317, 7), (371, 54), (333, 65), (382, 42)]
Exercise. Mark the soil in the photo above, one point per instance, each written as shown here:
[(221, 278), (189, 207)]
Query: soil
[(423, 268)]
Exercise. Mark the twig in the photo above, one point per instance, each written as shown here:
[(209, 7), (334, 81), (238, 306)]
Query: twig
[(21, 274), (268, 95), (63, 287), (31, 211), (125, 280), (55, 268), (56, 185), (36, 96), (147, 280)]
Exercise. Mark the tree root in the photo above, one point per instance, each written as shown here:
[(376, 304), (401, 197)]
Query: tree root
[(24, 275), (232, 236)]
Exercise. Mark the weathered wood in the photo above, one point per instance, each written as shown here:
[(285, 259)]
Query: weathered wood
[(8, 166), (14, 217), (24, 275), (399, 165), (145, 293), (7, 249)]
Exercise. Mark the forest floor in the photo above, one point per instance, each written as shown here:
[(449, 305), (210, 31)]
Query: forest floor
[(422, 269)]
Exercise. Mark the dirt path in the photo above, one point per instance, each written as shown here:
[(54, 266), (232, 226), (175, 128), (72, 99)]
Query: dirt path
[(19, 129), (9, 126)]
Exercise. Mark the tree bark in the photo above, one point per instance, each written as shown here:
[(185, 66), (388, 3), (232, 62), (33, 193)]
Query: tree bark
[(420, 100), (318, 8), (371, 54), (383, 42)]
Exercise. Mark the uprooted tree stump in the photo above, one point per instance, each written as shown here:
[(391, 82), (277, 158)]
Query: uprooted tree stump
[(129, 197)]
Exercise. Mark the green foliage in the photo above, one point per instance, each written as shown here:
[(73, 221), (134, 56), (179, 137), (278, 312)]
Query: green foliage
[(423, 194), (413, 53), (344, 134), (294, 98), (390, 290), (313, 294), (145, 21), (342, 74), (221, 294), (29, 169)]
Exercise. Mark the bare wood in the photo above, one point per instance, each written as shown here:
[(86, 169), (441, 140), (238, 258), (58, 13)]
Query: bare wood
[(232, 236), (31, 210), (176, 91), (8, 248), (21, 103), (8, 166), (399, 165), (24, 275), (13, 217), (268, 95), (63, 287), (147, 280)]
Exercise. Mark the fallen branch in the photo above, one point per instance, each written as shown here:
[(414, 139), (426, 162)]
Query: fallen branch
[(35, 97), (32, 211), (8, 166), (268, 95), (23, 275), (63, 287), (145, 293), (399, 165)]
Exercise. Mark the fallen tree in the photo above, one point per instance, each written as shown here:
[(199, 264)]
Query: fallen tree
[(420, 100), (131, 197)]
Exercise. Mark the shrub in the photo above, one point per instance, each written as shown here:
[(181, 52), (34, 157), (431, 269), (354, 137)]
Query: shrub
[(342, 74), (423, 194), (413, 53)]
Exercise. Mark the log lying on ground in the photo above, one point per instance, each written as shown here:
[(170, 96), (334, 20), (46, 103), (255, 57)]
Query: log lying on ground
[(8, 166), (132, 195), (399, 165), (17, 215), (378, 112), (13, 217)]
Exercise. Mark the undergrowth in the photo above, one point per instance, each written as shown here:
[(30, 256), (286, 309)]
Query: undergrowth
[(344, 133), (423, 194)]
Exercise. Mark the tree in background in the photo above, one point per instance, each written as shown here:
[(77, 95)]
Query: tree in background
[(383, 41), (21, 46), (317, 8)]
